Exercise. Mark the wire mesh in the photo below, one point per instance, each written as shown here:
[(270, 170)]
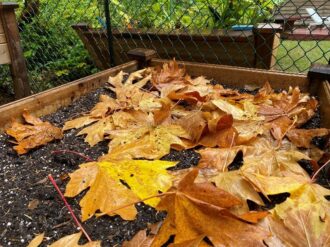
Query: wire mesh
[(65, 40)]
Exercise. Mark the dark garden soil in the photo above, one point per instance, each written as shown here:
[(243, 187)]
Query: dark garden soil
[(30, 205), (23, 181)]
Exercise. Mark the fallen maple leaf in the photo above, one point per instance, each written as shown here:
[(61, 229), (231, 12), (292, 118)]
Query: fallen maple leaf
[(67, 241), (107, 193), (292, 104), (139, 240), (96, 132), (235, 184), (169, 73), (37, 240), (280, 126), (303, 219), (220, 158), (196, 242), (193, 90), (202, 209), (72, 241), (224, 135), (274, 162), (303, 137), (79, 122), (249, 111), (145, 142), (33, 134), (131, 96)]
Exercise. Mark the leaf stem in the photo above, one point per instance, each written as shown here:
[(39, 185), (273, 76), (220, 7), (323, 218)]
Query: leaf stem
[(318, 171), (231, 145), (73, 152), (50, 177), (132, 203)]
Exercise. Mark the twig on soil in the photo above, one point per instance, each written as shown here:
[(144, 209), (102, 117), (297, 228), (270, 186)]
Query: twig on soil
[(69, 207), (61, 224), (132, 203), (73, 152), (318, 171)]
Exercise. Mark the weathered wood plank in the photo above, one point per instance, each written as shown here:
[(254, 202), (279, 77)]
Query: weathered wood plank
[(4, 54), (238, 48), (18, 67), (49, 101), (239, 76), (324, 98), (3, 38), (1, 27)]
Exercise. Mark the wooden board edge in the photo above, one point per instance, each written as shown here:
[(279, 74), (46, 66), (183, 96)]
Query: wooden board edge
[(324, 99), (51, 100), (239, 76), (4, 54)]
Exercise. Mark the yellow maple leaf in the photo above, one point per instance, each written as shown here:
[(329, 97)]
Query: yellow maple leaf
[(303, 219), (145, 142), (79, 122), (107, 193), (72, 241), (248, 111), (37, 240), (96, 132)]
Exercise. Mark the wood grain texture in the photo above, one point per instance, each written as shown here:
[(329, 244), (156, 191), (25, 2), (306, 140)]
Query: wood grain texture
[(3, 39), (4, 54), (1, 27), (18, 67), (49, 101), (235, 48)]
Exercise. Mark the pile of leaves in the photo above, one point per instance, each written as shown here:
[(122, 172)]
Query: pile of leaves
[(248, 189)]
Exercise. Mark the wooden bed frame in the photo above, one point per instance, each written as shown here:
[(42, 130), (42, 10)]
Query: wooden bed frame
[(11, 51), (259, 45), (316, 82)]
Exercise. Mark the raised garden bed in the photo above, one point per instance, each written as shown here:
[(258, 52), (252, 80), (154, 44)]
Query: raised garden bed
[(29, 203), (257, 48)]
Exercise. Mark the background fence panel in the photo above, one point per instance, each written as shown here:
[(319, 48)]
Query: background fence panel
[(65, 40)]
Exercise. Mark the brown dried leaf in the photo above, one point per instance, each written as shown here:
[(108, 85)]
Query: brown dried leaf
[(169, 73), (33, 204), (303, 137), (34, 134), (139, 240), (280, 126), (303, 219), (202, 209)]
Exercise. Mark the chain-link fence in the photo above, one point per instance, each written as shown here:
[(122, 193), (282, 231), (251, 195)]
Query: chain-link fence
[(67, 39)]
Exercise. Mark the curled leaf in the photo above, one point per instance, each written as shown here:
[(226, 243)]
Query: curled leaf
[(34, 134)]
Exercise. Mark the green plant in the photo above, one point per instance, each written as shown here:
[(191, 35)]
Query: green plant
[(53, 52), (191, 14)]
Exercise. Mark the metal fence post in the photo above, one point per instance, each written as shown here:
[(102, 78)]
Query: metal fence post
[(109, 31)]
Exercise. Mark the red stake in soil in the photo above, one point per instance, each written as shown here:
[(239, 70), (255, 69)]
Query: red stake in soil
[(69, 208)]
